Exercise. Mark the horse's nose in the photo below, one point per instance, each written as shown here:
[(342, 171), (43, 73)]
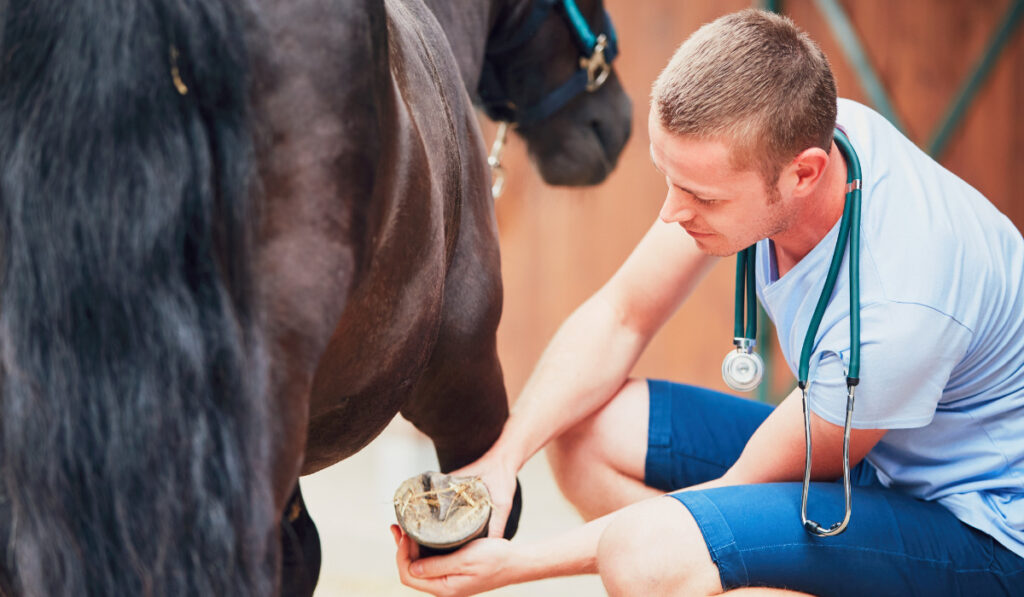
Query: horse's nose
[(612, 124), (612, 136)]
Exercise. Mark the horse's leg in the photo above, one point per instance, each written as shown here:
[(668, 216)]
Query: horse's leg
[(300, 565), (460, 401), (6, 562), (316, 66)]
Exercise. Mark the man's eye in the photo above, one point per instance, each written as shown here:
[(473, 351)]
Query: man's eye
[(696, 199), (702, 201)]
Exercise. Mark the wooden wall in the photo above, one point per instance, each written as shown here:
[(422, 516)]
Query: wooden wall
[(559, 246)]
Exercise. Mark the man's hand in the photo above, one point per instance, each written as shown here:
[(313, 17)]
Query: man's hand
[(480, 566), (500, 479)]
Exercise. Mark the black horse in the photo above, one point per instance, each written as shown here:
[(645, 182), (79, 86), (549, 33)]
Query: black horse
[(237, 238)]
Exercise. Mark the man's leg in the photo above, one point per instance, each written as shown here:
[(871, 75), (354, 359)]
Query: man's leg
[(599, 463), (652, 437), (678, 564), (764, 592), (743, 537), (656, 548)]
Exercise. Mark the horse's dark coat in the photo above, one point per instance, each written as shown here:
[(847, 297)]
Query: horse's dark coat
[(147, 437)]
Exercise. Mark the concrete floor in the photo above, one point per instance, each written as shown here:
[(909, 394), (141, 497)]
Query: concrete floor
[(351, 504)]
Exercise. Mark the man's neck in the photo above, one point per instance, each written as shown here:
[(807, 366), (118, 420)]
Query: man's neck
[(817, 214)]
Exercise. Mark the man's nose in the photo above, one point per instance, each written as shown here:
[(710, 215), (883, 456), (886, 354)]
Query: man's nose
[(675, 209)]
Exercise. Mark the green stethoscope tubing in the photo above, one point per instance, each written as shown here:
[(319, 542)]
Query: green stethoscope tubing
[(849, 221), (745, 265), (745, 272), (743, 368)]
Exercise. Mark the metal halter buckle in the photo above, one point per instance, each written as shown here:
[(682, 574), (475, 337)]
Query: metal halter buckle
[(597, 67), (494, 161)]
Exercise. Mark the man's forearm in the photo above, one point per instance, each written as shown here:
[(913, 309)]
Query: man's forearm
[(584, 365), (776, 451), (571, 553), (593, 352)]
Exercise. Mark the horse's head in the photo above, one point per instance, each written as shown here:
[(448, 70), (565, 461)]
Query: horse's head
[(549, 71)]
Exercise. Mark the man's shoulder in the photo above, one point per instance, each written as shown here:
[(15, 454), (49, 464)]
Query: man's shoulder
[(847, 109), (853, 116), (930, 237)]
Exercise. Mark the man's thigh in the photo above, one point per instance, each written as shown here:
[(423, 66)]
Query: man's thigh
[(894, 545), (695, 434), (615, 436), (668, 435)]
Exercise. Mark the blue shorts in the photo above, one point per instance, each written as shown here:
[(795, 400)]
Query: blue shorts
[(894, 545)]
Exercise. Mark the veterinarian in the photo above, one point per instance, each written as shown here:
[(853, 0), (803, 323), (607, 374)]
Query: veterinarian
[(917, 383)]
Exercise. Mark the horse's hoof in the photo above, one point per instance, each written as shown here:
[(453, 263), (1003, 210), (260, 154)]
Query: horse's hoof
[(512, 524), (441, 512)]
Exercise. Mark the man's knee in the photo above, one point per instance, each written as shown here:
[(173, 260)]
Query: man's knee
[(595, 441), (655, 548)]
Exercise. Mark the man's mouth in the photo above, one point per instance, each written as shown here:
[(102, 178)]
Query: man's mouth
[(697, 233)]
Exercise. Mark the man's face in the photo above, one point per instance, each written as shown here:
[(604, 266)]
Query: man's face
[(723, 209)]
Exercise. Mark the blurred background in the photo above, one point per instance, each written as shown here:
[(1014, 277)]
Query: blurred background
[(949, 73)]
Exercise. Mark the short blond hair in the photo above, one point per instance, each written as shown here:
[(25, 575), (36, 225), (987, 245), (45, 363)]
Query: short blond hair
[(755, 81)]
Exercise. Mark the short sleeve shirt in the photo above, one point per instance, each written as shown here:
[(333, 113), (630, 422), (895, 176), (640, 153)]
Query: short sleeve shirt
[(942, 331)]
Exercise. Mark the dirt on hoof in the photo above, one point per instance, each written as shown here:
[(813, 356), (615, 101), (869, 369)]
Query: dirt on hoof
[(443, 512)]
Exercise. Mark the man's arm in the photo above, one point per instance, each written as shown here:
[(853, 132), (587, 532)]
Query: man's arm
[(487, 564), (775, 452), (592, 353)]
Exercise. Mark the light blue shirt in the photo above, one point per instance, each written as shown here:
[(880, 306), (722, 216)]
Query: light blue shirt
[(942, 331)]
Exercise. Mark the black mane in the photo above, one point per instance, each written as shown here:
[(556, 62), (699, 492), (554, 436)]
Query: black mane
[(134, 435)]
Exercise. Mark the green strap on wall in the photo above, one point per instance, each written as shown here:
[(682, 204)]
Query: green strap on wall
[(848, 39), (843, 30), (958, 108)]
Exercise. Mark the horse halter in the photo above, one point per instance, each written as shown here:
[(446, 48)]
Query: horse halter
[(597, 51)]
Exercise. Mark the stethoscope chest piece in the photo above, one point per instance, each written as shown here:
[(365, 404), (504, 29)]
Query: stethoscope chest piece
[(742, 369)]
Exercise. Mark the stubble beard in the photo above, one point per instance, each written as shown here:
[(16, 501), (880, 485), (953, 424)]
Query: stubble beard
[(779, 221)]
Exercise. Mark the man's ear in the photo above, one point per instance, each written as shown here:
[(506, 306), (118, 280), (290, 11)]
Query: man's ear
[(802, 175)]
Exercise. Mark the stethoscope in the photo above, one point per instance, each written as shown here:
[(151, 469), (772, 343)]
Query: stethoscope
[(743, 369)]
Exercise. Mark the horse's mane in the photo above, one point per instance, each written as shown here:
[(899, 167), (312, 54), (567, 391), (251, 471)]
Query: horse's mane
[(135, 429)]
